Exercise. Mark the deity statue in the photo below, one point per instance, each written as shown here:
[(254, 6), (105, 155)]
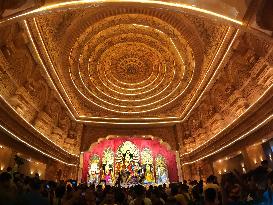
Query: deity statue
[(94, 170), (147, 162), (127, 162), (161, 170), (127, 159), (149, 174), (108, 175), (107, 165)]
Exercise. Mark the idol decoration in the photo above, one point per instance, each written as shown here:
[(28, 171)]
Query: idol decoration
[(148, 167), (161, 170), (127, 167), (94, 170), (107, 166), (127, 163)]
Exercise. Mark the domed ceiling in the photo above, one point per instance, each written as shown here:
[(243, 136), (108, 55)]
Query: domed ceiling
[(129, 65), (68, 64)]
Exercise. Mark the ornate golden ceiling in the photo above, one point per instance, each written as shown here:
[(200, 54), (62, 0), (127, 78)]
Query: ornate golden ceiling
[(125, 64), (132, 64)]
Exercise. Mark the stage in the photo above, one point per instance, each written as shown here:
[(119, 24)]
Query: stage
[(127, 161)]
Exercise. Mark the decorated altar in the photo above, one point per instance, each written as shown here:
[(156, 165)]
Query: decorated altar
[(127, 161)]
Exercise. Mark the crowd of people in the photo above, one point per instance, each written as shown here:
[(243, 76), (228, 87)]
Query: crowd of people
[(254, 187)]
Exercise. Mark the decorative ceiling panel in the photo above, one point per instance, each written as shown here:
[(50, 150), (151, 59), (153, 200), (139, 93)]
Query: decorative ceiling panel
[(129, 64)]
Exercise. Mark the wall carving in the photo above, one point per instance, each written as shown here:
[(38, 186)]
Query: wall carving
[(26, 90), (246, 76)]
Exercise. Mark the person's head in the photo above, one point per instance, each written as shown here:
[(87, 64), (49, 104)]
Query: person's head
[(9, 169), (155, 194), (259, 179), (183, 188), (160, 188), (174, 189), (195, 193), (5, 179), (35, 184), (90, 196), (195, 182), (37, 175), (99, 187), (184, 181), (119, 195), (110, 197), (92, 187), (210, 195), (69, 188), (234, 192), (171, 201), (264, 164), (210, 179), (139, 191), (228, 179)]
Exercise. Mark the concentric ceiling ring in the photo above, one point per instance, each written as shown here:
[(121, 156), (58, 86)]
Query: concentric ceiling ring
[(131, 63)]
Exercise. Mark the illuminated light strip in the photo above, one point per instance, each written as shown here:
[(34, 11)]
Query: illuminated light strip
[(113, 104), (236, 119), (35, 128), (29, 145), (41, 62), (82, 2), (43, 65), (128, 123), (138, 100), (116, 118), (231, 143)]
